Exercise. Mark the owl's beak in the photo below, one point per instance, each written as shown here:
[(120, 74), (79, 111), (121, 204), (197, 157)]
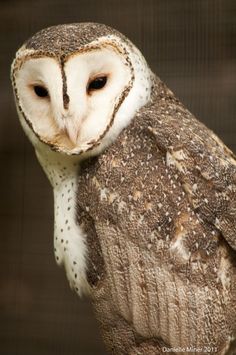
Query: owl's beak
[(72, 130)]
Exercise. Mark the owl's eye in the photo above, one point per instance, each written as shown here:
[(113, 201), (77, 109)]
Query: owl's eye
[(97, 84), (40, 91)]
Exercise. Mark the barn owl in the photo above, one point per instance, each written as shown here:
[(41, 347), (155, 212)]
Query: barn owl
[(144, 193)]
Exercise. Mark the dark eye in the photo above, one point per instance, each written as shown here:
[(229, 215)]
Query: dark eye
[(40, 91), (97, 83)]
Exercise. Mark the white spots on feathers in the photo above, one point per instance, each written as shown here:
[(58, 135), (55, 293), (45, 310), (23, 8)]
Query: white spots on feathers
[(137, 195), (106, 195), (103, 194), (122, 206), (179, 250), (112, 197), (176, 159), (179, 155), (140, 220), (169, 159), (223, 273)]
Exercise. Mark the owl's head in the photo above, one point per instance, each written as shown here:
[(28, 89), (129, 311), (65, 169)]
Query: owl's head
[(78, 85)]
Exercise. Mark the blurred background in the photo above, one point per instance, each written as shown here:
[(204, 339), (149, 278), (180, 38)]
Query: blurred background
[(191, 45)]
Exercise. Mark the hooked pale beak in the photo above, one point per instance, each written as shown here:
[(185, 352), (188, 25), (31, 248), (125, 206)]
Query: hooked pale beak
[(71, 128)]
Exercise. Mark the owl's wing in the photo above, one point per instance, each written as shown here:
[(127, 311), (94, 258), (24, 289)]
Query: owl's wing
[(206, 166), (150, 206)]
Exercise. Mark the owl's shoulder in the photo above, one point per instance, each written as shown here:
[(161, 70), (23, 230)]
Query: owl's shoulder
[(165, 145)]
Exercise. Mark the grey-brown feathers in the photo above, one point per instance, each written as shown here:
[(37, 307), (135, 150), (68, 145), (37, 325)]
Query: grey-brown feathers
[(63, 40), (161, 200)]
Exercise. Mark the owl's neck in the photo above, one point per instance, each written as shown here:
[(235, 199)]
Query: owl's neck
[(69, 241)]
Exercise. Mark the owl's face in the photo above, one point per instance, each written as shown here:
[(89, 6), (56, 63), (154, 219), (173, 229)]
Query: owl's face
[(94, 82), (70, 102)]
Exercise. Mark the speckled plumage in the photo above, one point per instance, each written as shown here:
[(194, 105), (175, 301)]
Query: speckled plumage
[(152, 217), (63, 40), (166, 196)]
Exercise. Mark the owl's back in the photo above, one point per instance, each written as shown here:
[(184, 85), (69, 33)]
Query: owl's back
[(165, 270)]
